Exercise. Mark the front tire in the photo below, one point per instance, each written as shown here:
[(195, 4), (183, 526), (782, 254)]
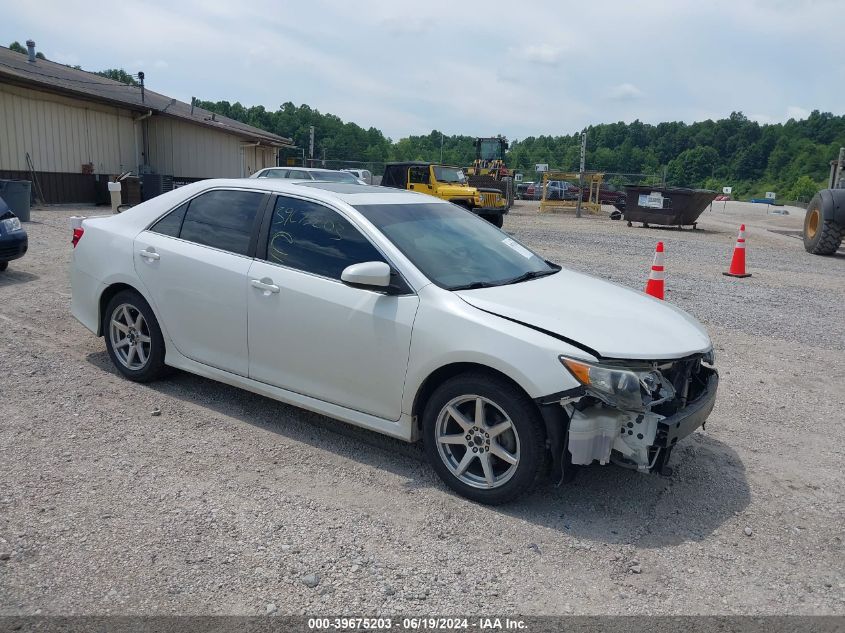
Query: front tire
[(484, 438), (496, 219), (821, 237), (3, 266), (133, 337)]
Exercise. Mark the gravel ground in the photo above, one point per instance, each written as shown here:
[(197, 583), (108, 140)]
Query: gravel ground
[(190, 497)]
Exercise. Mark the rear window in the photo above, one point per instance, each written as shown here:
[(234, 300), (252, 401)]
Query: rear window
[(220, 219), (335, 176), (274, 173)]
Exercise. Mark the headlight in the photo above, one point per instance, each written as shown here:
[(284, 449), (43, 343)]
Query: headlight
[(709, 358), (627, 389), (11, 224)]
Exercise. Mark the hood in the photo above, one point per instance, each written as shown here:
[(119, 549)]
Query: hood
[(611, 320), (456, 190)]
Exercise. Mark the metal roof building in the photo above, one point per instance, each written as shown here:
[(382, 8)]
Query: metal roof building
[(78, 128)]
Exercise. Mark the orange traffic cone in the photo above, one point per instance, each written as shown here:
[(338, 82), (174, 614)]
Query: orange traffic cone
[(654, 286), (738, 261)]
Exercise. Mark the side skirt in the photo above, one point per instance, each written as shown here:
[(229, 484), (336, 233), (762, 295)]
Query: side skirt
[(401, 429)]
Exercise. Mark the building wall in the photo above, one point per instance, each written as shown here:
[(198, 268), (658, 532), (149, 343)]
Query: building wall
[(61, 134), (255, 158), (178, 148)]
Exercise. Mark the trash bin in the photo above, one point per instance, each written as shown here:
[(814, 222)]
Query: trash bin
[(665, 206), (16, 194), (114, 192)]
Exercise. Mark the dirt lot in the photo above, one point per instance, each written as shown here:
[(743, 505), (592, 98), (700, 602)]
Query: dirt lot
[(229, 503)]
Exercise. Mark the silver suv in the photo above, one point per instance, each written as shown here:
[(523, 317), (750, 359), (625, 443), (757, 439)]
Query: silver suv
[(307, 173)]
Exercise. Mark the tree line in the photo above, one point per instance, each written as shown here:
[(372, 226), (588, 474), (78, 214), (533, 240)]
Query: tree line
[(791, 158)]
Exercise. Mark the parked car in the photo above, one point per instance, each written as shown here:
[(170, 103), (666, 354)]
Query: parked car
[(521, 192), (307, 173), (400, 313), (364, 175), (722, 198), (555, 190), (13, 239), (607, 194)]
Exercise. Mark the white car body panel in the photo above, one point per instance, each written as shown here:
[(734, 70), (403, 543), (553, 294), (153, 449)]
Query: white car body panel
[(322, 338), (200, 293), (403, 429), (528, 357), (587, 310), (357, 355)]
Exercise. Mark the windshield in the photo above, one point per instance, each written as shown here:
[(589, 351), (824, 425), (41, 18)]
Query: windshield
[(453, 247), (335, 176), (449, 174), (491, 149)]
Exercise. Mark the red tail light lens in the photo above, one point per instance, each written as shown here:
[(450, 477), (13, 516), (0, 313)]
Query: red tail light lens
[(77, 235)]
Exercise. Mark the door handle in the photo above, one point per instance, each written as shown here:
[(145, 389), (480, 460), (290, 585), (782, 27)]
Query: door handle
[(266, 287), (149, 254)]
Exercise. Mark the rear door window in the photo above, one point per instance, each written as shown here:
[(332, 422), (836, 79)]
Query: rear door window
[(222, 219)]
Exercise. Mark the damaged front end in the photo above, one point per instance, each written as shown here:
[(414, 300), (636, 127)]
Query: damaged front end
[(633, 413)]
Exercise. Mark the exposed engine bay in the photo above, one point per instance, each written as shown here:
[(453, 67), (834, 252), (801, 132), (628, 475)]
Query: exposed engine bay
[(640, 412)]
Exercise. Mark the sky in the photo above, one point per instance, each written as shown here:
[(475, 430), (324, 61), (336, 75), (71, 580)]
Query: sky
[(474, 68)]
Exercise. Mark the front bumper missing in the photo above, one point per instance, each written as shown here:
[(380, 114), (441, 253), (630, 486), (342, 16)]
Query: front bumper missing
[(683, 423), (641, 440)]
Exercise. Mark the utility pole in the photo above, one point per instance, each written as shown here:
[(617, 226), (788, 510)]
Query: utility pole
[(581, 174), (324, 156), (311, 147), (441, 148)]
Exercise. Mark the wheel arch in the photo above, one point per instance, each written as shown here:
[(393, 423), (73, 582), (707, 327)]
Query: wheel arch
[(110, 291), (555, 420), (446, 372), (466, 204)]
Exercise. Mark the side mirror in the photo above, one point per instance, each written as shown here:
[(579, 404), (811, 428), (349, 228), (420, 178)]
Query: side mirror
[(367, 275)]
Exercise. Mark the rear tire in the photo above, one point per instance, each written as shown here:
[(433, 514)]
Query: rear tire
[(3, 266), (821, 237), (508, 434), (133, 337)]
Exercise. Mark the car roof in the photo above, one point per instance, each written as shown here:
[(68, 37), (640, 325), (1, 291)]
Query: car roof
[(313, 169), (327, 191), (414, 163)]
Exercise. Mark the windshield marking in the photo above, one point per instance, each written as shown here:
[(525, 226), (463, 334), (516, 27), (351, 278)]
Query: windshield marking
[(519, 248)]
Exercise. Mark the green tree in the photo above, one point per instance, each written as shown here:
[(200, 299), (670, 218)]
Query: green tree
[(693, 166), (803, 189), (118, 74), (19, 48)]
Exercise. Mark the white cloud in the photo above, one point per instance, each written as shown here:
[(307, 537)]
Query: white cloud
[(407, 25), (625, 92), (69, 59), (457, 67), (762, 118), (796, 112), (539, 53)]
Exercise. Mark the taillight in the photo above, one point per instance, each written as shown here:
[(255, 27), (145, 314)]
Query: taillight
[(77, 235)]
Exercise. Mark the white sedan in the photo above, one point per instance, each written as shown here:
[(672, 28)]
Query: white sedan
[(400, 313)]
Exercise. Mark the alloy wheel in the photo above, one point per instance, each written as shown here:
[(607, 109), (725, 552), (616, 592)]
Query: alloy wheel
[(130, 338), (477, 441)]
